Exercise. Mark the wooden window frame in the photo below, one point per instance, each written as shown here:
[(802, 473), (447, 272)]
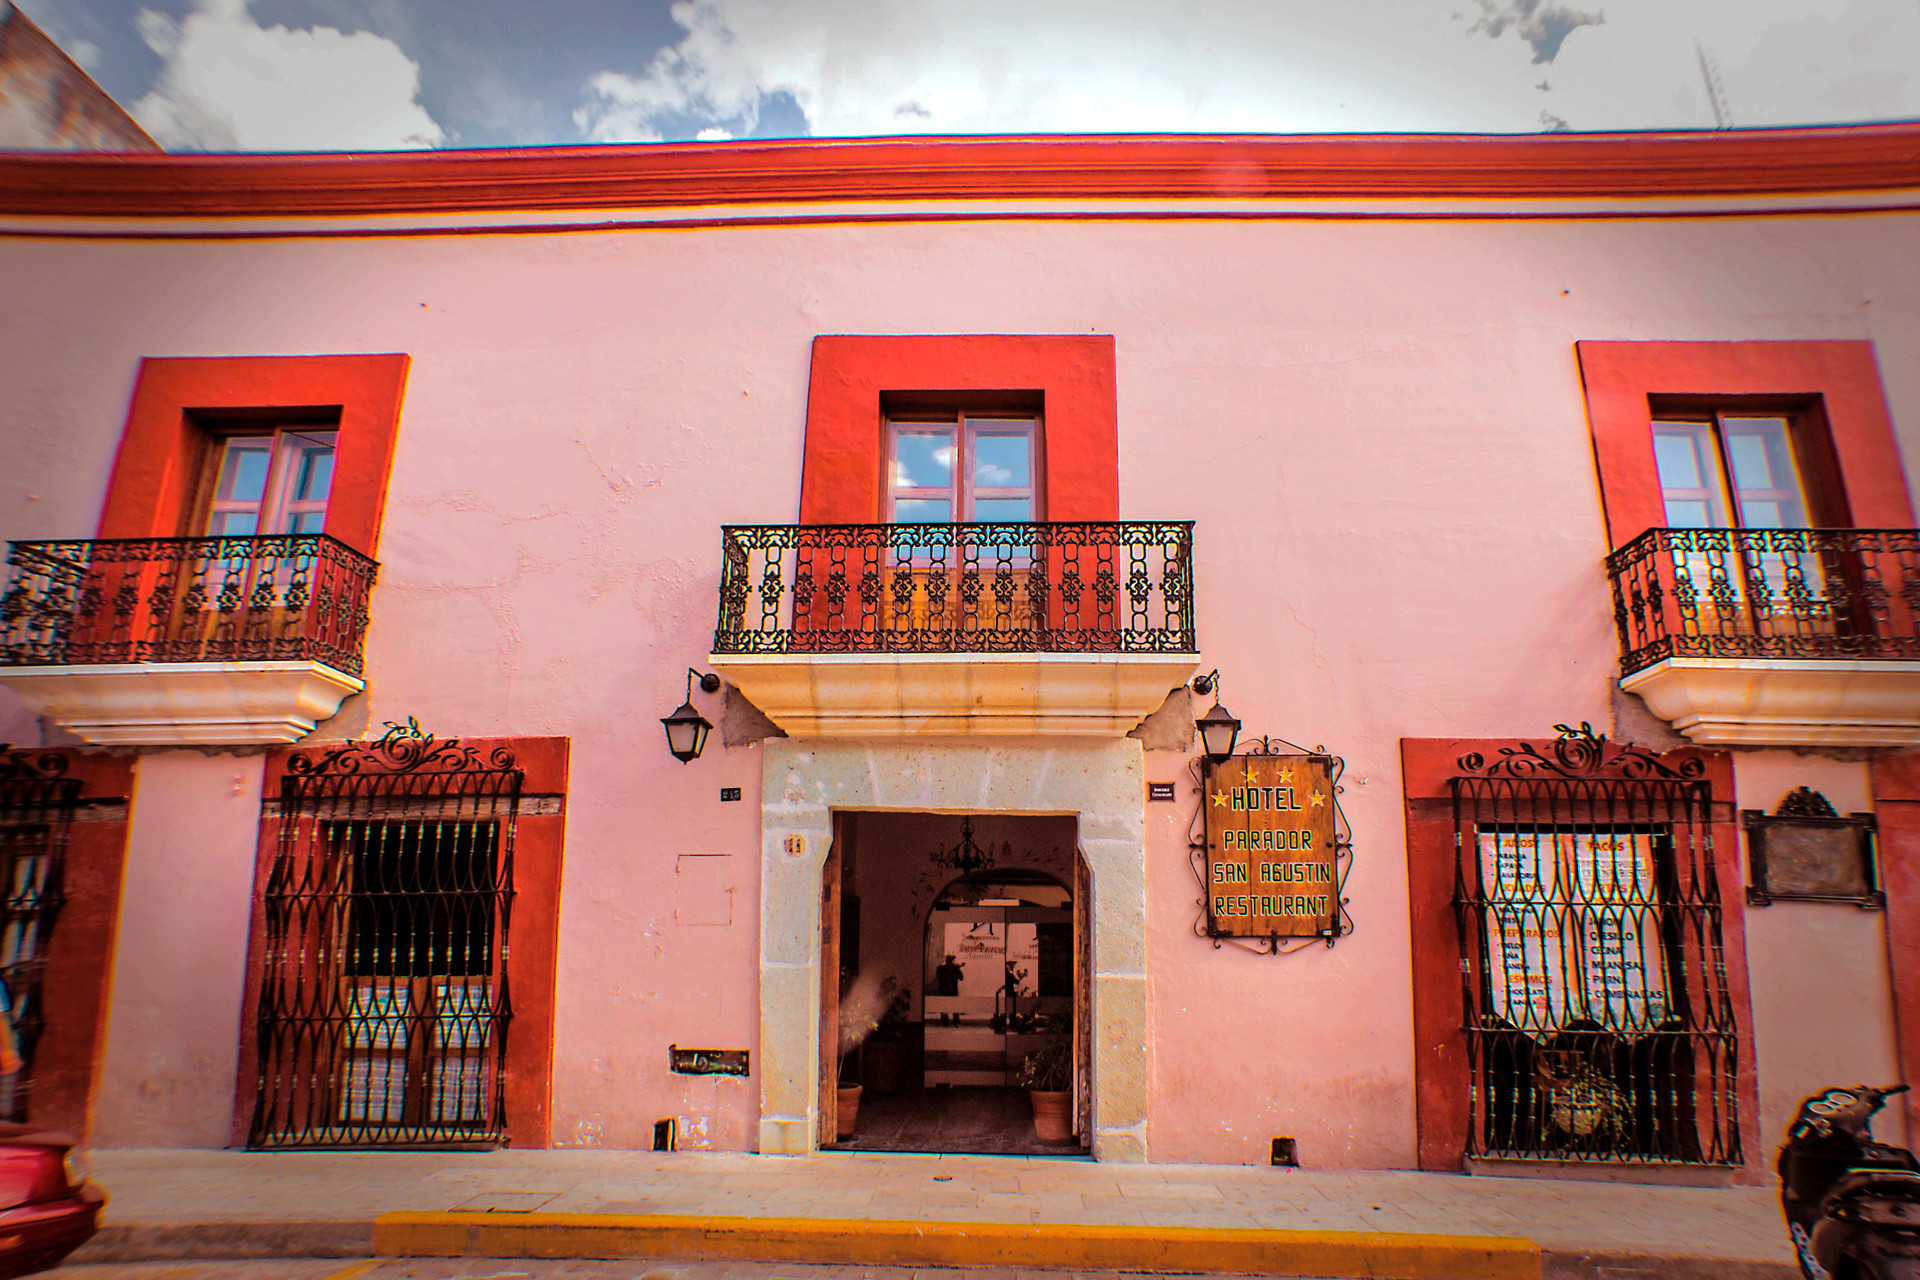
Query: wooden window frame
[(961, 492), (281, 472)]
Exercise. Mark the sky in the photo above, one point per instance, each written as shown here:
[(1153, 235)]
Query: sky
[(314, 75)]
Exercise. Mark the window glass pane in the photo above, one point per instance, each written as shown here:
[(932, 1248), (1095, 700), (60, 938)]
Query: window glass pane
[(1003, 459), (1003, 509), (1678, 460), (307, 522), (243, 471), (921, 510), (923, 459), (1687, 460), (233, 524), (1765, 481), (314, 477)]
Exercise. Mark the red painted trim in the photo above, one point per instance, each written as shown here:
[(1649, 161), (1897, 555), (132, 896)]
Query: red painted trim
[(78, 984), (538, 850), (1896, 807), (1528, 166), (1842, 377), (963, 215), (162, 449), (1441, 1071), (840, 480)]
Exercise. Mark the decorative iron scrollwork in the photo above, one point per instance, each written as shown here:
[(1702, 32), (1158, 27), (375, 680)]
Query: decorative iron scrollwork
[(1579, 752), (29, 765), (1041, 587), (1766, 593), (299, 597), (1805, 802), (403, 748)]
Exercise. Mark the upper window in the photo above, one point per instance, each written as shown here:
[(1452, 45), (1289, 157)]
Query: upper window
[(272, 484), (962, 467), (1730, 471)]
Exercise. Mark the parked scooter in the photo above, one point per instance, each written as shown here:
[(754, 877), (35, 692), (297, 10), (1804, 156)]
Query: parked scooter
[(1852, 1204)]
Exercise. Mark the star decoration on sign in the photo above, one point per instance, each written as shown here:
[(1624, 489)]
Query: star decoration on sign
[(1220, 799), (1286, 773), (1316, 799)]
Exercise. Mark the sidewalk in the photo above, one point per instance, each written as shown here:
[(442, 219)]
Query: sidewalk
[(243, 1204)]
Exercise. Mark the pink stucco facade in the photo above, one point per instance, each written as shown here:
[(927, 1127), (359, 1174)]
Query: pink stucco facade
[(1372, 410)]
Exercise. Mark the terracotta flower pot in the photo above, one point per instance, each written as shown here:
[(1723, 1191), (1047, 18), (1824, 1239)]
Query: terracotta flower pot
[(848, 1110), (1051, 1119)]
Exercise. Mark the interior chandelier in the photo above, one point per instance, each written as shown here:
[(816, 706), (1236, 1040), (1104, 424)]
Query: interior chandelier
[(968, 857)]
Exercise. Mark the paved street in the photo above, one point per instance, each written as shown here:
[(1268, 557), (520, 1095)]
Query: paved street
[(190, 1201), (524, 1269)]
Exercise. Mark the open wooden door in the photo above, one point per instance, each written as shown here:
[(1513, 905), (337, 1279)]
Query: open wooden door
[(1082, 1001), (826, 1130)]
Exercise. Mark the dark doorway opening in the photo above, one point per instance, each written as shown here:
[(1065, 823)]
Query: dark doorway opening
[(959, 947)]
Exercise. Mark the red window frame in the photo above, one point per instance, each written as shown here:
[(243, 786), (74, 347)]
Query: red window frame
[(1070, 377), (178, 404), (1442, 1073), (538, 848), (1832, 385)]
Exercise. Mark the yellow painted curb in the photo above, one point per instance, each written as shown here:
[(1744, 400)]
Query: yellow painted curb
[(864, 1242)]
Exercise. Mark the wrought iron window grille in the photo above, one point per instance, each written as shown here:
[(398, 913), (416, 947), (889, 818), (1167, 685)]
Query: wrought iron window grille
[(240, 599), (37, 809), (1045, 587), (1197, 769), (385, 1001), (1806, 852), (1766, 593), (1596, 1008)]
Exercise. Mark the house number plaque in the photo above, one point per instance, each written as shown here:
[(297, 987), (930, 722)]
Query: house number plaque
[(1270, 865)]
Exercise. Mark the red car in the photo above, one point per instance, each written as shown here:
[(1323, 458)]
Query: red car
[(47, 1207)]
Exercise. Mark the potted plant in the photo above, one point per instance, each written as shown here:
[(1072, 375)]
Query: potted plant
[(1043, 1074), (886, 1061), (862, 1008)]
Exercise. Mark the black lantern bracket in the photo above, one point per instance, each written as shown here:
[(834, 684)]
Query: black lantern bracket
[(1201, 769), (686, 728)]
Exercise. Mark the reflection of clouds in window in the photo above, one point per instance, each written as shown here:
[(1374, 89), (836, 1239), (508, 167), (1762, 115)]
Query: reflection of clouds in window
[(988, 474)]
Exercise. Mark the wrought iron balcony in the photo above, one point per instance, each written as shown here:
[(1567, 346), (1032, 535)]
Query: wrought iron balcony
[(185, 600), (152, 640), (957, 588), (1063, 627), (1774, 635), (1767, 593)]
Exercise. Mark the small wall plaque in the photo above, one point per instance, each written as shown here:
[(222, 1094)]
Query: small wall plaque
[(729, 793), (706, 1062), (1805, 852), (1159, 791)]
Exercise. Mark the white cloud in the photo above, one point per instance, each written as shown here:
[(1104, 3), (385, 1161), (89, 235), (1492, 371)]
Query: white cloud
[(229, 84), (865, 67)]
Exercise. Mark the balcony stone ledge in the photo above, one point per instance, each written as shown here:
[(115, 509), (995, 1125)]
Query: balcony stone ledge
[(886, 695), (1785, 702), (184, 704)]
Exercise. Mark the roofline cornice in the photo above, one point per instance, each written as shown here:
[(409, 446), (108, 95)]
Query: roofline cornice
[(1611, 166)]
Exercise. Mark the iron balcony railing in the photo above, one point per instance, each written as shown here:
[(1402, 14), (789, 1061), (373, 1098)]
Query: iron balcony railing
[(1767, 593), (252, 599), (1058, 587)]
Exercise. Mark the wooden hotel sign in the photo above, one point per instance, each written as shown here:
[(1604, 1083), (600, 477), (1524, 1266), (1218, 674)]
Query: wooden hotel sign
[(1270, 847)]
